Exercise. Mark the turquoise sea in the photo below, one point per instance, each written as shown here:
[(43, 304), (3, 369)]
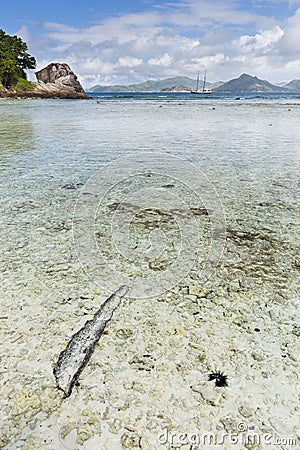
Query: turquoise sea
[(243, 148), (226, 97)]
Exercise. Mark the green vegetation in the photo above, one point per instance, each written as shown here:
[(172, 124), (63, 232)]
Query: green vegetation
[(14, 60), (24, 85)]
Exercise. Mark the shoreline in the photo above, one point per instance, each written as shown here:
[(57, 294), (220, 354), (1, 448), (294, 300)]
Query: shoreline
[(44, 95)]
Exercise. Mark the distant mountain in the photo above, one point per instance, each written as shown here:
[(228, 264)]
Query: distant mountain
[(179, 88), (281, 84), (244, 84), (247, 83), (182, 83), (293, 85)]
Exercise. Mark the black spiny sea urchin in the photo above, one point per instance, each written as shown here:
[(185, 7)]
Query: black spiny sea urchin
[(219, 377)]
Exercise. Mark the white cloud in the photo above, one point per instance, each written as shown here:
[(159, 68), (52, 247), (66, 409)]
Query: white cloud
[(262, 42), (206, 61), (129, 61), (194, 13), (164, 60), (294, 65), (177, 38), (224, 12), (23, 33), (290, 43)]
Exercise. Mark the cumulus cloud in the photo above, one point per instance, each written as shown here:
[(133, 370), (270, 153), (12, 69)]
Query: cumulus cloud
[(225, 37), (129, 61), (164, 60), (261, 42), (290, 43)]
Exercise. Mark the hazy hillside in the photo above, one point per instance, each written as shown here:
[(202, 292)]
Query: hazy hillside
[(243, 84), (247, 83), (151, 85), (293, 85)]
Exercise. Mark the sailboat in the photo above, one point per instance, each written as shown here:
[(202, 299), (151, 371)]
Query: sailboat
[(204, 90)]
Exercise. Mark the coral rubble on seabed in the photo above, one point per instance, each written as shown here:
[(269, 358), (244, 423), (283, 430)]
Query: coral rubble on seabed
[(150, 370)]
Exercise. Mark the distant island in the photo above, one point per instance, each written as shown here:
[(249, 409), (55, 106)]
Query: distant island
[(243, 84), (248, 84), (175, 84)]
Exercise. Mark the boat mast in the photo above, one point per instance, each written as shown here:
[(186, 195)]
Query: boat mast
[(197, 83), (204, 81)]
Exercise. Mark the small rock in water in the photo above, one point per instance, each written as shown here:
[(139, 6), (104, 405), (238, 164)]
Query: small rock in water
[(296, 330), (200, 293), (208, 394), (245, 411), (131, 440), (168, 186), (158, 264), (72, 185), (124, 333), (258, 356)]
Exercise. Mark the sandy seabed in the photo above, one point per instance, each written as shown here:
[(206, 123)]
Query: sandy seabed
[(147, 384)]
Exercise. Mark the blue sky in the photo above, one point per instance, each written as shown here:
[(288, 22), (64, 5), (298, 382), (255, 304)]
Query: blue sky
[(120, 42)]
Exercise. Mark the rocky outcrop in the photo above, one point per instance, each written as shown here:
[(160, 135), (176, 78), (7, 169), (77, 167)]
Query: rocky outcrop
[(57, 79)]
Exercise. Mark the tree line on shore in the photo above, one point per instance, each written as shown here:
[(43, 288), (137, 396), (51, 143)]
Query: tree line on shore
[(14, 60)]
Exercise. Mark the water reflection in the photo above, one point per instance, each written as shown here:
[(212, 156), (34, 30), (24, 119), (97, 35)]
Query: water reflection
[(16, 133)]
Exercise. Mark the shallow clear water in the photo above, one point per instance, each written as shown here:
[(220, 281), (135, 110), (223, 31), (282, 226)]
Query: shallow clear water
[(248, 150), (50, 143)]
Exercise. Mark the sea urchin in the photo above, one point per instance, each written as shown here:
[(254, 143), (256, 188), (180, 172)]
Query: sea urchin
[(219, 377)]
